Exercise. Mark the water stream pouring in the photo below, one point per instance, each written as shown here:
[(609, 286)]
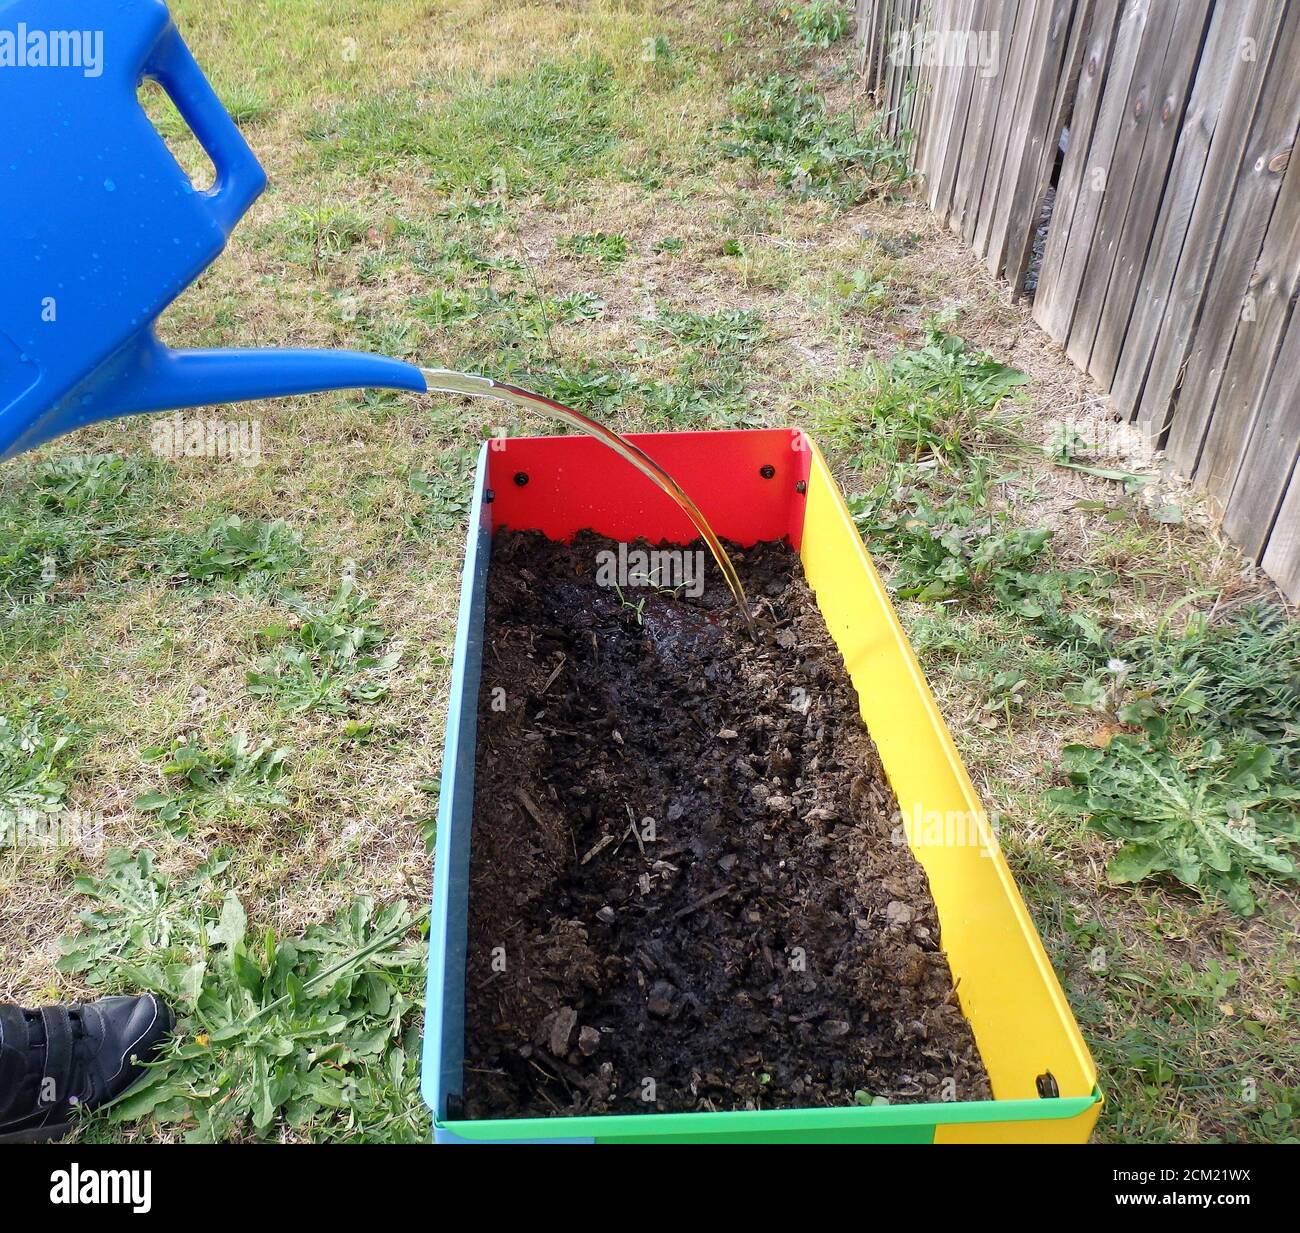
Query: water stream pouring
[(444, 381)]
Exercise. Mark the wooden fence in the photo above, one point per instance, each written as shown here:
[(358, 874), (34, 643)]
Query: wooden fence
[(1130, 158)]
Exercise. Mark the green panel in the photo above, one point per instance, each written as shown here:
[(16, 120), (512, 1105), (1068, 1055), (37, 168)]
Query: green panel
[(846, 1134), (873, 1124)]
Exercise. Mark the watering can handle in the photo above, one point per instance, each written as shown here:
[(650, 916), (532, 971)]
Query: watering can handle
[(153, 377), (240, 178), (113, 363), (162, 379)]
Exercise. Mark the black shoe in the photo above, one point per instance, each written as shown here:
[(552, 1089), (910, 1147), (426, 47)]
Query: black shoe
[(60, 1058)]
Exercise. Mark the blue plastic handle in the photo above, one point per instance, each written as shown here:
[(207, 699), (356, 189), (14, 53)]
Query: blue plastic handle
[(240, 178), (103, 230)]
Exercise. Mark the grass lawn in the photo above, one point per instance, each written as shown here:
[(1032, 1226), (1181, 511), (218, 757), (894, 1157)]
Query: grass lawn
[(240, 671)]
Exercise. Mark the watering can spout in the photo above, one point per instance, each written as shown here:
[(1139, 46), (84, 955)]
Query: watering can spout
[(193, 378), (154, 378), (148, 376)]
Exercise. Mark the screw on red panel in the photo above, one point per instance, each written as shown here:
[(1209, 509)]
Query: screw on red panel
[(521, 478), (801, 485), (767, 470)]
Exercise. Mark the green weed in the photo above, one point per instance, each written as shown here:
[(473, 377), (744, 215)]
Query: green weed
[(945, 366), (447, 305), (205, 782), (657, 51), (570, 309), (696, 397), (1207, 793), (311, 1033), (465, 207), (730, 330), (445, 495), (513, 315), (246, 106), (937, 401), (609, 249), (862, 291), (245, 553), (325, 232), (963, 546), (1067, 449), (1207, 820), (588, 387), (32, 556), (710, 367), (782, 126), (36, 748), (88, 484), (1238, 679), (328, 661), (76, 512), (818, 23), (518, 132)]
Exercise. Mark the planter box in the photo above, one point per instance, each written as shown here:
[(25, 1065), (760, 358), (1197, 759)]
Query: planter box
[(1043, 1079)]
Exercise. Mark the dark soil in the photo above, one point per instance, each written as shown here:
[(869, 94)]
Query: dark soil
[(688, 888)]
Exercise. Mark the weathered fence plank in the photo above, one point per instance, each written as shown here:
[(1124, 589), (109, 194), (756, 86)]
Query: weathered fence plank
[(1247, 457), (1105, 308), (920, 79), (1053, 309), (1217, 79), (1028, 140), (946, 179), (1125, 122), (998, 17), (1032, 191), (1012, 76), (1098, 159), (943, 110), (1179, 327), (1262, 171), (1282, 556)]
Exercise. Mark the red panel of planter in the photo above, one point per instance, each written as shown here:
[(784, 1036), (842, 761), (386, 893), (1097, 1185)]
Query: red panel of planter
[(746, 484)]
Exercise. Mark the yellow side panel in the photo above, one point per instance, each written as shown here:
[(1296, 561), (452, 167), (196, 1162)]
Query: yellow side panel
[(1006, 985), (1062, 1130)]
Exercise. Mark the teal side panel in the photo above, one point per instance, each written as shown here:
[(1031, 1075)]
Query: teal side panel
[(442, 1069)]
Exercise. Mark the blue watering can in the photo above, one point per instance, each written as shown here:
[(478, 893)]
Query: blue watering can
[(102, 229)]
